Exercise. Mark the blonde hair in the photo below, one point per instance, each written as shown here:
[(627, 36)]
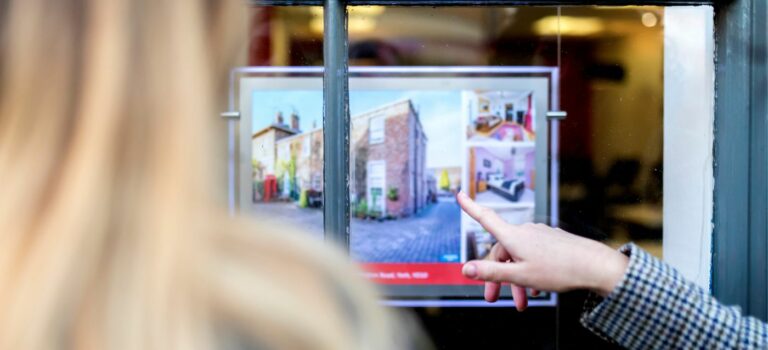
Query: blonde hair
[(111, 236)]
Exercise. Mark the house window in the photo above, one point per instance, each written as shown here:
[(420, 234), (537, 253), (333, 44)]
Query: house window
[(376, 130), (305, 149)]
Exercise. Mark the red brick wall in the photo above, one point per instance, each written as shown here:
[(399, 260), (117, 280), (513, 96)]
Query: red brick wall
[(394, 150), (358, 162), (419, 164), (403, 150)]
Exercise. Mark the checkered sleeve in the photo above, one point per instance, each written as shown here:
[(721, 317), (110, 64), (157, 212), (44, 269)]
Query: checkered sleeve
[(654, 307)]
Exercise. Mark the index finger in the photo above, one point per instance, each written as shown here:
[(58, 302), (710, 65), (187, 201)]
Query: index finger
[(487, 218)]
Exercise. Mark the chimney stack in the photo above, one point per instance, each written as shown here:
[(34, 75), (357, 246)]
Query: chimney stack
[(294, 121), (279, 118)]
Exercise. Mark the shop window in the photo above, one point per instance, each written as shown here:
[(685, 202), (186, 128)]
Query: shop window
[(605, 174)]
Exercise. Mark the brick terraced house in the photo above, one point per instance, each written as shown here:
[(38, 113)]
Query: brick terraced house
[(387, 160)]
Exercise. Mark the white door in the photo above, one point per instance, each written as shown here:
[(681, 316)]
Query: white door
[(376, 183)]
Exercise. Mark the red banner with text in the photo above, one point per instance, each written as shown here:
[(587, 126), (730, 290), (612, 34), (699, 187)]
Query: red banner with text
[(417, 273)]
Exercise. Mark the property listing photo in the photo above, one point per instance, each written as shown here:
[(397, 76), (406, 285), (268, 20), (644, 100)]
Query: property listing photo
[(479, 241), (502, 176), (287, 159), (413, 146), (402, 187), (408, 159), (405, 169), (500, 116)]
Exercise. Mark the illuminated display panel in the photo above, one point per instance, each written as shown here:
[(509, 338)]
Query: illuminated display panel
[(417, 137)]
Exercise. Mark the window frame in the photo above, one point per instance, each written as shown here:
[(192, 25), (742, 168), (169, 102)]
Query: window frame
[(740, 227)]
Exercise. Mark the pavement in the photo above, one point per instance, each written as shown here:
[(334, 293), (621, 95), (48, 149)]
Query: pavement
[(310, 220), (432, 235)]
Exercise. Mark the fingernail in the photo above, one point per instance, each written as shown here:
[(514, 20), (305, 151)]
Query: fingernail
[(461, 194), (470, 270)]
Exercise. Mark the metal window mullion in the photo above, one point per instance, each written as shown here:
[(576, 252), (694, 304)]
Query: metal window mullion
[(335, 123), (730, 241), (758, 169)]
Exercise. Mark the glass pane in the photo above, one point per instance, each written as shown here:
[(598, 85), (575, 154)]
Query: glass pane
[(612, 143), (609, 156), (610, 62)]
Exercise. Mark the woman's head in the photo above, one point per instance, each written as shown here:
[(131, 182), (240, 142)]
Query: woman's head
[(110, 233)]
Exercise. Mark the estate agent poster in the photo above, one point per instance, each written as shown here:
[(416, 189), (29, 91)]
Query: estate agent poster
[(413, 146)]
